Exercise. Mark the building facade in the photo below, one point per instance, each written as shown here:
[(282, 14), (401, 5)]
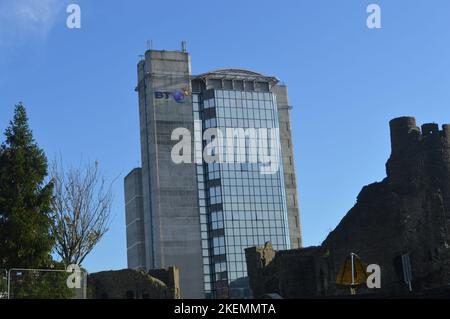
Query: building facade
[(230, 185)]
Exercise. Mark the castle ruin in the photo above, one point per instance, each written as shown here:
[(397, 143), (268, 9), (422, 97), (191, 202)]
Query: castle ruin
[(406, 214)]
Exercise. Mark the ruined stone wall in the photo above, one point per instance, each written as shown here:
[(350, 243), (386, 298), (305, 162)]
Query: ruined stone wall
[(134, 284), (407, 213), (261, 269), (171, 277)]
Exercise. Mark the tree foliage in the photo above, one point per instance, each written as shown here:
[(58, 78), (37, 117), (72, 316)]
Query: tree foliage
[(25, 213)]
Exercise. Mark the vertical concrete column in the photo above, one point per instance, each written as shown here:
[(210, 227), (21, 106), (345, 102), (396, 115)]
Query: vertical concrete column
[(134, 212), (170, 195), (290, 180)]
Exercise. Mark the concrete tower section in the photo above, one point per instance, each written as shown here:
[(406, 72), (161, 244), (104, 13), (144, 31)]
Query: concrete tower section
[(287, 150), (170, 196), (134, 212)]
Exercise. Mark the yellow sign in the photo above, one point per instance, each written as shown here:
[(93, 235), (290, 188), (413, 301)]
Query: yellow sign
[(353, 272)]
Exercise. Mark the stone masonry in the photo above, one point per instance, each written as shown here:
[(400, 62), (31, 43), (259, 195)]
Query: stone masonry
[(408, 213), (135, 284)]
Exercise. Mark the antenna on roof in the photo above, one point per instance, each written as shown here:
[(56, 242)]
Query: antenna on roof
[(183, 46), (149, 44)]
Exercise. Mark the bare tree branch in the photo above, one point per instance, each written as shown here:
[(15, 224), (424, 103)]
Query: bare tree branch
[(82, 206)]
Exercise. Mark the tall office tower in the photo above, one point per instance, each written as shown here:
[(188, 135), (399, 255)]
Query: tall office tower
[(196, 206)]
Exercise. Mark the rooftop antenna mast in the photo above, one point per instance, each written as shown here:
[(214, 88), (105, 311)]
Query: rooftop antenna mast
[(149, 44)]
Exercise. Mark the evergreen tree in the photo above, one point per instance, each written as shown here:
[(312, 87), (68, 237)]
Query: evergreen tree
[(25, 214)]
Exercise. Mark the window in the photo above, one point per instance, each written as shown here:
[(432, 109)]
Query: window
[(262, 86), (215, 83), (249, 86), (228, 84), (239, 85)]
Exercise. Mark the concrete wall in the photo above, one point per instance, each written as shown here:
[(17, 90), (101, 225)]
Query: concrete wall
[(172, 226), (134, 212), (290, 180)]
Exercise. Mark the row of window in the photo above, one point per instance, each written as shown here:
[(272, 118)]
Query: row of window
[(237, 103), (251, 171), (248, 210), (234, 84), (238, 167), (242, 242), (248, 165), (253, 190), (248, 171), (245, 137), (256, 183), (241, 123), (248, 203), (253, 218), (254, 114), (248, 153), (236, 106), (243, 95), (249, 178), (245, 152), (250, 228), (253, 193), (247, 237), (247, 215), (254, 180)]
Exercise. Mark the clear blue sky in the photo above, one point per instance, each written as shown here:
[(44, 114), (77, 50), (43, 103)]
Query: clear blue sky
[(345, 81)]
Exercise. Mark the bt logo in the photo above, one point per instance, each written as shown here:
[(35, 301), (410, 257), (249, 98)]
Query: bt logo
[(178, 95)]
